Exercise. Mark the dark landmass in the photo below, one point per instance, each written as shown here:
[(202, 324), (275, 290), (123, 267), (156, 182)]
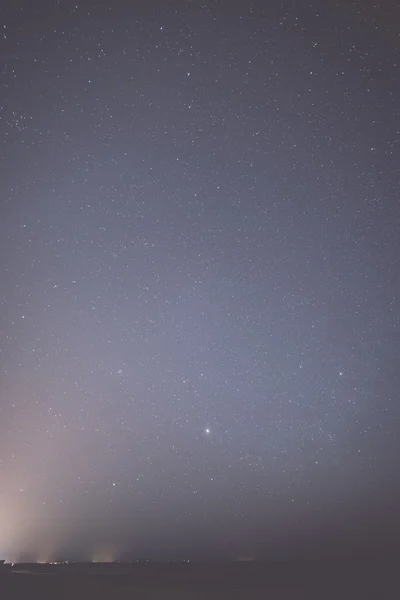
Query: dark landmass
[(187, 581)]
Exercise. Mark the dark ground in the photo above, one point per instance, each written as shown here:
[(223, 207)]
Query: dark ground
[(269, 581)]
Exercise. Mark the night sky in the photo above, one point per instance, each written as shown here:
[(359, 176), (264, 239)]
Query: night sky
[(200, 247)]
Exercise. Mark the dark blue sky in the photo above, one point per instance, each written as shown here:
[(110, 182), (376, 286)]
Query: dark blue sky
[(200, 247)]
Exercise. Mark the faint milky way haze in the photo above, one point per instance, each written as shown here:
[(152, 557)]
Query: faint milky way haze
[(199, 244)]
